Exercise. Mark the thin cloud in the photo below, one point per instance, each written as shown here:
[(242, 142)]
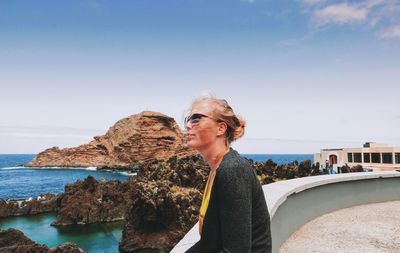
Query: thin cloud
[(48, 132), (312, 2), (391, 32), (21, 139), (340, 14), (381, 16)]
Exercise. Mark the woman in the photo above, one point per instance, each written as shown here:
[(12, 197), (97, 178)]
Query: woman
[(233, 214)]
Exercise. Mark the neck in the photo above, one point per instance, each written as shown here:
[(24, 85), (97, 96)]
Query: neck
[(213, 155)]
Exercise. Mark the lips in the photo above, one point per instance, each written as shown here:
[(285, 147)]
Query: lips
[(189, 136)]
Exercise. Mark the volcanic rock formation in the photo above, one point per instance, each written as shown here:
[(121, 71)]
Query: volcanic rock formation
[(91, 201), (269, 172), (42, 204), (13, 240), (175, 183), (166, 201), (137, 139)]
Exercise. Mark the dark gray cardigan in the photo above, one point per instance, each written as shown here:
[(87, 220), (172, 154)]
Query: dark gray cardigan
[(237, 218)]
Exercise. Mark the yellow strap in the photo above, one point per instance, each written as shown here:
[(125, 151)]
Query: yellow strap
[(206, 199)]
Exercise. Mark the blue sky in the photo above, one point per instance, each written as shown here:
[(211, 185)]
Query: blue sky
[(306, 74)]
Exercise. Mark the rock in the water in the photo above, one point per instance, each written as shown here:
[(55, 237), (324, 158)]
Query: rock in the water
[(138, 139), (67, 248), (13, 240), (42, 204), (91, 201)]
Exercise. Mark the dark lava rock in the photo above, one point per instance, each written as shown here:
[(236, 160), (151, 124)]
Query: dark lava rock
[(166, 201), (13, 240), (189, 171), (67, 248), (42, 204), (91, 201), (160, 215)]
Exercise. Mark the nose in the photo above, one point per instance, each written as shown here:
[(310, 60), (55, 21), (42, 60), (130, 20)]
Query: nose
[(188, 125)]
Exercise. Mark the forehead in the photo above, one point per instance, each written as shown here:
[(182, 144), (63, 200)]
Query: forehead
[(203, 107)]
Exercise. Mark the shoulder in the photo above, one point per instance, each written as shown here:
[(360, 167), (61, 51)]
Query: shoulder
[(233, 166)]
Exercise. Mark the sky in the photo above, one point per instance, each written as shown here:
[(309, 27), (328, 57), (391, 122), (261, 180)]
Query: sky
[(305, 74)]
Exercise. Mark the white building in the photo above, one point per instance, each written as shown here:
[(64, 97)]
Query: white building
[(379, 157)]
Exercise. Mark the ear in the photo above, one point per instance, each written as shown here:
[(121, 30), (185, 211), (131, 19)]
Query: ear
[(222, 127)]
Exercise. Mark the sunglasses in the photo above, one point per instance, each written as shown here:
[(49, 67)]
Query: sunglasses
[(195, 118)]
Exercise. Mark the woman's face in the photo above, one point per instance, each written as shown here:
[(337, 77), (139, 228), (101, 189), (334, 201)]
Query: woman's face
[(202, 128)]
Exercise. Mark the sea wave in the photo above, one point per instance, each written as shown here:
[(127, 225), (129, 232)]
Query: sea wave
[(12, 168), (63, 168), (126, 173), (90, 168)]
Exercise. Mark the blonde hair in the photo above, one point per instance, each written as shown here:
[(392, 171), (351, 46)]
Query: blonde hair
[(223, 111)]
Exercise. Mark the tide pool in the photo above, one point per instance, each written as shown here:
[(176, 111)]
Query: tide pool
[(103, 237)]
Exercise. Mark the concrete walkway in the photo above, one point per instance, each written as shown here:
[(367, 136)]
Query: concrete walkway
[(372, 228)]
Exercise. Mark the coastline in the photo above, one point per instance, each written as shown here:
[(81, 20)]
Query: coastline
[(182, 195)]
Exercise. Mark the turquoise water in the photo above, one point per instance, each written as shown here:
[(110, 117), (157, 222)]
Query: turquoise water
[(94, 238)]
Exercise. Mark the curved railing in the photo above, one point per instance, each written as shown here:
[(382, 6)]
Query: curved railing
[(295, 202)]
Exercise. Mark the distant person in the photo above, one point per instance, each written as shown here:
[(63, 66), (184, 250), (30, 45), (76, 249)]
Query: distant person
[(233, 215), (327, 167)]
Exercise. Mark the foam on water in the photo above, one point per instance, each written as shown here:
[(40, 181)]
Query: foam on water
[(128, 174), (13, 168)]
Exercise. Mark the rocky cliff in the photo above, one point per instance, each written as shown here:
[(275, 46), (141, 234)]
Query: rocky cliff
[(91, 201), (165, 204), (137, 139)]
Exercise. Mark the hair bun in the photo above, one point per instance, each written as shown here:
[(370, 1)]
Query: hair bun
[(239, 129)]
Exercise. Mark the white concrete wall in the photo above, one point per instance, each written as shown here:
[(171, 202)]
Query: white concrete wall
[(277, 193)]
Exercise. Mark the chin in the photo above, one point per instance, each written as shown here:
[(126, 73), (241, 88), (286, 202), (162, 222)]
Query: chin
[(191, 144)]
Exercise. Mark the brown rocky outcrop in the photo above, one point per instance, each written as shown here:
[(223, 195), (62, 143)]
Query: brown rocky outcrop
[(166, 200), (137, 139), (42, 204), (13, 240), (159, 205), (92, 201), (269, 172)]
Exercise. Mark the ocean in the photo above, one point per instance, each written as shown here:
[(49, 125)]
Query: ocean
[(279, 158), (17, 182)]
